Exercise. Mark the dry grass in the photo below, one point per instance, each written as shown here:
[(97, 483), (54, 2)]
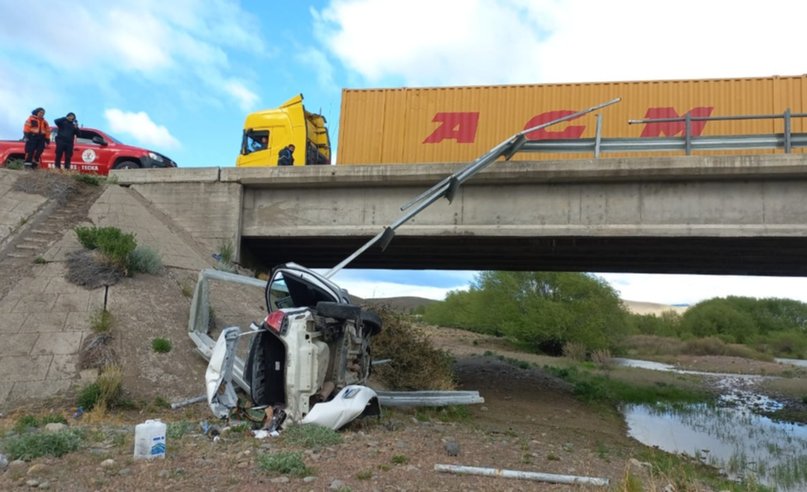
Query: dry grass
[(416, 364), (59, 187), (97, 352), (575, 351), (89, 269)]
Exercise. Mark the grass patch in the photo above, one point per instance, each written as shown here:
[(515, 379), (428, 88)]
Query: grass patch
[(89, 179), (399, 459), (687, 474), (284, 463), (450, 413), (187, 290), (598, 388), (364, 475), (161, 345), (176, 430), (27, 422), (15, 164), (101, 321), (29, 446), (311, 436), (40, 261)]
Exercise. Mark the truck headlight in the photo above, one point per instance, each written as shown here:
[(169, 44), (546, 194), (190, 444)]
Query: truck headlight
[(155, 156)]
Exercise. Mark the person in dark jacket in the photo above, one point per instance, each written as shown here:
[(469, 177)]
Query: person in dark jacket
[(37, 136), (65, 137), (286, 156)]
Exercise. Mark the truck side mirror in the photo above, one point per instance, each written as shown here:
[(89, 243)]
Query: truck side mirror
[(99, 140)]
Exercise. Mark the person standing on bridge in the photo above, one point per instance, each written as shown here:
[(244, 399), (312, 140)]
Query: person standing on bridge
[(65, 136), (37, 136), (286, 156)]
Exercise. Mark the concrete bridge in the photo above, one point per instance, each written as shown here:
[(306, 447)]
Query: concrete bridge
[(697, 214)]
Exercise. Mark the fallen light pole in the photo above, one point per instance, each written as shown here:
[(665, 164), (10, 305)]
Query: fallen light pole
[(537, 476)]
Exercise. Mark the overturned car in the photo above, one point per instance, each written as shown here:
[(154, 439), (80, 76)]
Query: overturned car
[(308, 360)]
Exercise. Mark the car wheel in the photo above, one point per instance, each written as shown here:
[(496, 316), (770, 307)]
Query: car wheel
[(127, 165)]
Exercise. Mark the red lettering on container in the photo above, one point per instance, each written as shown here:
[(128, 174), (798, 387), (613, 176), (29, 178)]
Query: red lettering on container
[(459, 126), (672, 128), (573, 131)]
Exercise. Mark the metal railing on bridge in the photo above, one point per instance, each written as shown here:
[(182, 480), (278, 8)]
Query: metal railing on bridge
[(687, 143)]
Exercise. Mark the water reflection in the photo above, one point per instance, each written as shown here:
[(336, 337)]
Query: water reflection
[(729, 434), (736, 440)]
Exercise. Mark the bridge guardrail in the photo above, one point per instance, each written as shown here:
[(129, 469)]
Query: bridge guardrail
[(687, 143)]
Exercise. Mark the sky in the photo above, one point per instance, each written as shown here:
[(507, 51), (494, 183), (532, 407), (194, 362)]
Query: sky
[(179, 76)]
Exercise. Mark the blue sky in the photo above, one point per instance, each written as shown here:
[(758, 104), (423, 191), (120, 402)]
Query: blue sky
[(179, 76)]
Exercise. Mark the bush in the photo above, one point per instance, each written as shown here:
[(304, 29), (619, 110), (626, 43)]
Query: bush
[(146, 260), (115, 245), (29, 446), (106, 392), (161, 345), (286, 463), (415, 363)]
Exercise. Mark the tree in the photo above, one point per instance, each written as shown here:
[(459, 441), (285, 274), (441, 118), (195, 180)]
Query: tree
[(543, 310)]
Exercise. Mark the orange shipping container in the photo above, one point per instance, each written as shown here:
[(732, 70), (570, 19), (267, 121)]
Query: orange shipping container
[(457, 124)]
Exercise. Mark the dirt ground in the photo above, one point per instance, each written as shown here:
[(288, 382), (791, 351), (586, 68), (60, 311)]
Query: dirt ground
[(530, 421)]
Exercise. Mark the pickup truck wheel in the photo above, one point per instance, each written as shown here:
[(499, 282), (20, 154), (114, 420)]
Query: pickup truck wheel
[(127, 165)]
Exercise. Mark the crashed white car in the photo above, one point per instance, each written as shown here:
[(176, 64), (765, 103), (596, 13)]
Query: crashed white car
[(308, 360)]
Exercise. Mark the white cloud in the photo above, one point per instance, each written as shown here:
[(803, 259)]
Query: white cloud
[(459, 42), (317, 60), (167, 42), (245, 97), (691, 289), (380, 289), (140, 126)]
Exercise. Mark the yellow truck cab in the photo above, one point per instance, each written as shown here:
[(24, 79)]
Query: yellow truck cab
[(268, 131)]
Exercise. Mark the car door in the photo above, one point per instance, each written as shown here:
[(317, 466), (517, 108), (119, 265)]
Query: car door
[(92, 153)]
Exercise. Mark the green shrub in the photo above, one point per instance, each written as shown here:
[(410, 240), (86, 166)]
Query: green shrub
[(30, 446), (88, 396), (115, 245), (146, 260), (106, 392), (161, 345), (287, 463), (311, 436)]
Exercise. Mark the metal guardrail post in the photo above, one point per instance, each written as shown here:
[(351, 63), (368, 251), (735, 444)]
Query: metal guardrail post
[(688, 134), (787, 131), (597, 136)]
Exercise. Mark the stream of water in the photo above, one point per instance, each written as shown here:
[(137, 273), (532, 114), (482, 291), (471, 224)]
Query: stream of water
[(730, 435)]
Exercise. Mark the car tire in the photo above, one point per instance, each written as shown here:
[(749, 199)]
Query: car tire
[(338, 311), (127, 165), (371, 322)]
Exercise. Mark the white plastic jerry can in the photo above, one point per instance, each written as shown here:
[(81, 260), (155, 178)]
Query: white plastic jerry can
[(149, 440)]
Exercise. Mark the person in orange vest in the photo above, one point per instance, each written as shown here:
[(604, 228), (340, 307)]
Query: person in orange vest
[(37, 137)]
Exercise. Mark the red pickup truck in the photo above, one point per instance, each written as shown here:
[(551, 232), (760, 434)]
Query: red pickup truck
[(95, 152)]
